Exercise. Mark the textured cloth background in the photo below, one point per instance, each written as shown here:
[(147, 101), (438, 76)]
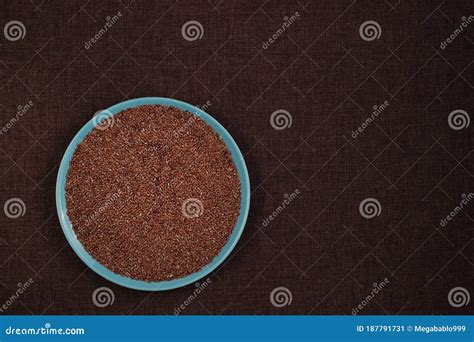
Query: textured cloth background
[(327, 78)]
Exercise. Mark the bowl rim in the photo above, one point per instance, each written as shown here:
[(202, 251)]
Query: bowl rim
[(135, 284)]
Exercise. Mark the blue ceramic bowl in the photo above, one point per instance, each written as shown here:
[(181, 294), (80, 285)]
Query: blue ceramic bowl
[(138, 284)]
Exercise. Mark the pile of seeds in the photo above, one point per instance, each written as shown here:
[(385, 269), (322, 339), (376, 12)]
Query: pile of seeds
[(154, 194)]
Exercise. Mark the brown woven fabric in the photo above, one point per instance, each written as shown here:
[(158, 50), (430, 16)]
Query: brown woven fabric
[(295, 83)]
